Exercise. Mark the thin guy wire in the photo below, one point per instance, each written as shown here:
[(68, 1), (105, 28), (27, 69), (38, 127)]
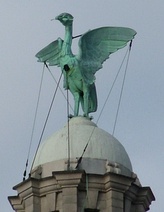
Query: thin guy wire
[(111, 87), (34, 122), (68, 104), (46, 119), (122, 88), (59, 86), (80, 159), (68, 165)]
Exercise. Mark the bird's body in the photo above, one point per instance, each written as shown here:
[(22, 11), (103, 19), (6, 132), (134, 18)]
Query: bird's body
[(94, 48), (84, 94), (73, 79)]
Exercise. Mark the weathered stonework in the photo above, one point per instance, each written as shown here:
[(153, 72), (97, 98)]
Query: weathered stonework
[(76, 191)]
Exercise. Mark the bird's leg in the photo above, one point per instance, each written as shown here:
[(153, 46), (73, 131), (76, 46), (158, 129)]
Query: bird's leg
[(77, 101), (86, 102)]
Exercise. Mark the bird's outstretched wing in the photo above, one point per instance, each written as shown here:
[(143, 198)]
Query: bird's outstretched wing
[(96, 45), (51, 53)]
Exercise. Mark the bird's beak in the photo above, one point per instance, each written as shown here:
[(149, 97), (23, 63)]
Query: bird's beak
[(53, 19), (56, 18)]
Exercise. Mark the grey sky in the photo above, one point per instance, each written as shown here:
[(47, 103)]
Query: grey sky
[(26, 28)]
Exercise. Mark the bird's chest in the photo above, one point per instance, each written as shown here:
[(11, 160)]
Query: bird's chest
[(68, 61), (70, 66), (72, 74)]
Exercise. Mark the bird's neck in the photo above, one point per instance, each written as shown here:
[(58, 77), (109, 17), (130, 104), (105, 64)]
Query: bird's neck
[(68, 40), (68, 34)]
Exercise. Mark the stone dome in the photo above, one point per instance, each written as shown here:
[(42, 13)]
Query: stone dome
[(104, 153)]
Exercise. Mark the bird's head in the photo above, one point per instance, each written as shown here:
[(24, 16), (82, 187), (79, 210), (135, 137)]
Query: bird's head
[(65, 18)]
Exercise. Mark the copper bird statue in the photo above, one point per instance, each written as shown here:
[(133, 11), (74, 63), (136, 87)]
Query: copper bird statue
[(95, 46)]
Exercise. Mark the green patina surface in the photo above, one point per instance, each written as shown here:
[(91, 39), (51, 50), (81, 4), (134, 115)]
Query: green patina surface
[(95, 46)]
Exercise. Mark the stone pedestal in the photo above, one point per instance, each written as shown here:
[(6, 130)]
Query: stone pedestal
[(77, 191)]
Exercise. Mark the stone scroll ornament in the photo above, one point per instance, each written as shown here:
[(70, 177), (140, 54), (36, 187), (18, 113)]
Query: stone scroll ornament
[(95, 46)]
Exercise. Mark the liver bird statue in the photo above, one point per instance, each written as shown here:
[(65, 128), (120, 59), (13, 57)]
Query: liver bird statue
[(95, 46)]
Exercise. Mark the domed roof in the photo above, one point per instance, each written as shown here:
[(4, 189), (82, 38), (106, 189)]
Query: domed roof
[(103, 153)]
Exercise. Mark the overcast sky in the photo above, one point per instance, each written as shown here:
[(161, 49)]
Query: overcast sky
[(26, 28)]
